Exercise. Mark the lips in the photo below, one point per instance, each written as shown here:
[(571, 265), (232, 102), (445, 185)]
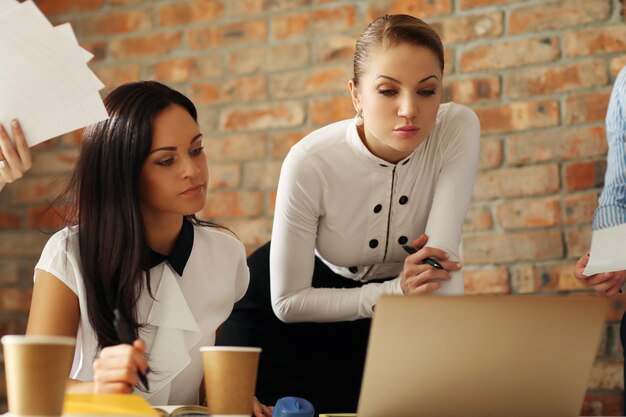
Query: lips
[(193, 190), (407, 128)]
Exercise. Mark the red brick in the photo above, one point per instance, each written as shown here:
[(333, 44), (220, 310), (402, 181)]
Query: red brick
[(487, 281), (313, 22), (113, 76), (271, 202), (448, 57), (235, 90), (15, 244), (478, 218), (9, 325), (597, 40), (529, 213), (532, 245), (617, 64), (557, 15), (236, 147), (510, 54), (263, 116), (52, 7), (545, 278), (148, 45), (555, 79), (261, 175), (98, 48), (579, 208), (556, 144), (15, 300), (10, 220), (490, 153), (125, 2), (72, 138), (607, 375), (421, 8), (229, 34), (317, 81), (183, 13), (224, 175), (269, 59), (518, 116), (281, 142), (581, 175), (586, 108), (254, 7), (473, 90), (328, 110), (33, 190), (578, 240), (252, 232), (207, 118), (334, 48), (603, 404), (9, 273), (233, 204), (57, 162), (517, 182), (106, 24), (467, 28), (469, 4), (47, 217), (180, 70)]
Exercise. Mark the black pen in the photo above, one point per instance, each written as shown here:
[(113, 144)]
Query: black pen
[(126, 336), (430, 261)]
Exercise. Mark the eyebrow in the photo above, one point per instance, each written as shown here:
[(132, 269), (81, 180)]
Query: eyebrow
[(173, 148), (421, 81)]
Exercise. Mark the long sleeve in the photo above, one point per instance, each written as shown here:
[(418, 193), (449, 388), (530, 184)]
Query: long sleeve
[(611, 209)]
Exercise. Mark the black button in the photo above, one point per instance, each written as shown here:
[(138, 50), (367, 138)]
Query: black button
[(373, 243), (404, 199), (402, 240), (353, 269), (378, 208)]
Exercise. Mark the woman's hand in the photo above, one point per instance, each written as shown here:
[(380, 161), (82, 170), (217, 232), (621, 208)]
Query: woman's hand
[(607, 283), (417, 277), (260, 410), (15, 157), (115, 371)]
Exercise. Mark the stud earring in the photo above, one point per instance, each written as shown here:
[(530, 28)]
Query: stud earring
[(358, 119)]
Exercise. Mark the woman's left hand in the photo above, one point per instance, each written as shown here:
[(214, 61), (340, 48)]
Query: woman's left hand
[(260, 410), (15, 157)]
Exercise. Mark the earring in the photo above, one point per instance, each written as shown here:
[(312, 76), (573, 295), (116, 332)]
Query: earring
[(358, 119)]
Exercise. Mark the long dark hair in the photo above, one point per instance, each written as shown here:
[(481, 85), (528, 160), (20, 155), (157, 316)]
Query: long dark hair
[(103, 195)]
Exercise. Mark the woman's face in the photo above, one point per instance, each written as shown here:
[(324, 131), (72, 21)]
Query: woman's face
[(399, 95), (174, 177)]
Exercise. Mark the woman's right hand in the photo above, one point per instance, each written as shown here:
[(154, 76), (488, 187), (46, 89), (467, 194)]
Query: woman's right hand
[(419, 278), (15, 157), (115, 371)]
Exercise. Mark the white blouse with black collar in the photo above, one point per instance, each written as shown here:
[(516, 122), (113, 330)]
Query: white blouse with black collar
[(184, 316)]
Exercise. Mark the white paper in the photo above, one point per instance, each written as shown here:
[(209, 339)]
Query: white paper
[(608, 250), (45, 82)]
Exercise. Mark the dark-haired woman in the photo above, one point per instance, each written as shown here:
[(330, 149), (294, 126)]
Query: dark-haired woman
[(350, 195), (135, 245)]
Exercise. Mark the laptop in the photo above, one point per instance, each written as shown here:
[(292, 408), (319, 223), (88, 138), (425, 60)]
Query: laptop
[(480, 356)]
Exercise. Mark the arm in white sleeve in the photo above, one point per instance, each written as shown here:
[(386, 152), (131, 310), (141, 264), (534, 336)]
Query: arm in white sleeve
[(460, 152), (299, 204)]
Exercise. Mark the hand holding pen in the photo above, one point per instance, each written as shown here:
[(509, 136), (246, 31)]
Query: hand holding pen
[(119, 368), (425, 267)]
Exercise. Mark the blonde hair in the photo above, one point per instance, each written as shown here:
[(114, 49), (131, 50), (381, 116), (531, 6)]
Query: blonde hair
[(392, 30)]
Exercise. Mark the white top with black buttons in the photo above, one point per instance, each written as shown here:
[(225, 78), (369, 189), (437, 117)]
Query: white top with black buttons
[(355, 210)]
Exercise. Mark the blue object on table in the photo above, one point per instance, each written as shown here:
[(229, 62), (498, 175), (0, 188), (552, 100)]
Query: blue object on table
[(293, 407)]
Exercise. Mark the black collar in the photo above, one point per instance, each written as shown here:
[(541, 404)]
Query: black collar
[(182, 249)]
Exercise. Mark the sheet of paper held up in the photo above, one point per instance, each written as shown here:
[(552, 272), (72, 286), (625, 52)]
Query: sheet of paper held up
[(45, 82), (608, 250)]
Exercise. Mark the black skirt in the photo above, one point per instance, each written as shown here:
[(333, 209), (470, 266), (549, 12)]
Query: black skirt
[(321, 362)]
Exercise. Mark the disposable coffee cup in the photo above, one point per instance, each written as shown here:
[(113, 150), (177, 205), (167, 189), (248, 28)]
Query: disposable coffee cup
[(37, 369), (230, 379)]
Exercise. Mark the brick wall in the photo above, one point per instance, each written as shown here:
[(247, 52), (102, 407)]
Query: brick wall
[(264, 73)]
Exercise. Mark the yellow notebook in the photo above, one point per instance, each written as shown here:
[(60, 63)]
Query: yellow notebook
[(182, 410), (107, 405)]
